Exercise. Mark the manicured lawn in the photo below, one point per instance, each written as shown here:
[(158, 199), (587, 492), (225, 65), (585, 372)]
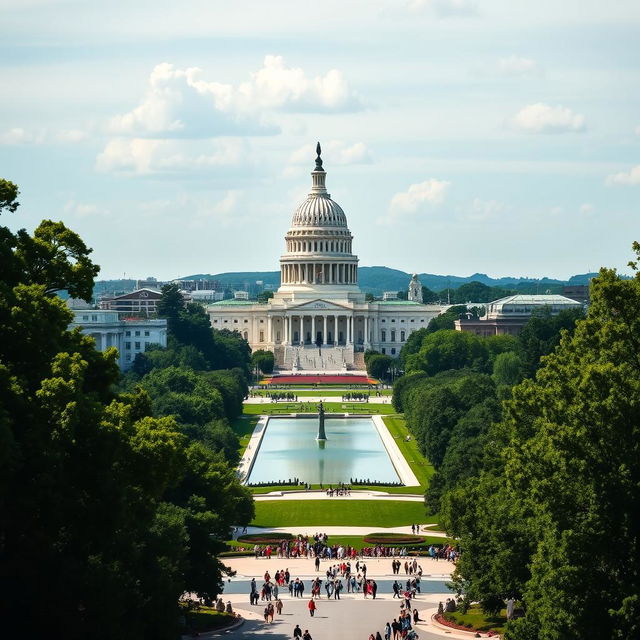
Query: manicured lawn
[(244, 426), (312, 407), (479, 620), (334, 512), (419, 464)]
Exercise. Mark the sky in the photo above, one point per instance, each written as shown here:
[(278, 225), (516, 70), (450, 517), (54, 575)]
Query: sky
[(459, 136)]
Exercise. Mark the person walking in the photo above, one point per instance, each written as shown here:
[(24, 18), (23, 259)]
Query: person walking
[(279, 607), (312, 607), (306, 635), (297, 632), (387, 631), (317, 563)]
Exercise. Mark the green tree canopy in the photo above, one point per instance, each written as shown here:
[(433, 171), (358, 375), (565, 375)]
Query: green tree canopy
[(264, 360), (378, 366)]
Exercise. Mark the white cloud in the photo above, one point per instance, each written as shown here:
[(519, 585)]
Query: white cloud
[(148, 156), (19, 136), (638, 131), (630, 178), (543, 118), (586, 209), (482, 210), (516, 66), (445, 8), (417, 198), (199, 212), (334, 152), (70, 136), (180, 103), (84, 209)]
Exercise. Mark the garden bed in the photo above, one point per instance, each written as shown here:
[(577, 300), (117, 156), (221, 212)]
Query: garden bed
[(264, 538), (393, 538)]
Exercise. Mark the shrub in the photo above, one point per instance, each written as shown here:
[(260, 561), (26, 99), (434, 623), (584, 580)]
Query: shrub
[(265, 538), (393, 538)]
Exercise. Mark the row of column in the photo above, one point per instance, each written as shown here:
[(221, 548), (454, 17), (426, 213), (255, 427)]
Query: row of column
[(324, 323), (319, 273)]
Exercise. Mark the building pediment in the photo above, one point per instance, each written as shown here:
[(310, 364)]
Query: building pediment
[(320, 305)]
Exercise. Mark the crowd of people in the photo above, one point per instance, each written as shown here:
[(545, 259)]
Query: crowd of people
[(318, 546)]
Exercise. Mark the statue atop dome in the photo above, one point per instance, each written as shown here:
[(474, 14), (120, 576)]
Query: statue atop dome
[(318, 158)]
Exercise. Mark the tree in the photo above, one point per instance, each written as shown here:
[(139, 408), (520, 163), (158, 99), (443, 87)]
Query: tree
[(449, 349), (8, 196), (561, 479), (446, 319), (541, 335), (88, 529), (429, 296), (369, 297), (378, 366), (264, 360), (507, 369), (263, 296)]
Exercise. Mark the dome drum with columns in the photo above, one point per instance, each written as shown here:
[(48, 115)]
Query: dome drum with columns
[(318, 320)]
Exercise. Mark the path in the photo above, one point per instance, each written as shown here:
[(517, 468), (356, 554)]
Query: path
[(310, 530), (356, 494)]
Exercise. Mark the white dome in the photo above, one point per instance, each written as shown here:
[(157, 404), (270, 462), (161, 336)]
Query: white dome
[(319, 211)]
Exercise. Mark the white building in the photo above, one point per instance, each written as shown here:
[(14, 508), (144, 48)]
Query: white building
[(129, 336), (509, 315), (319, 302)]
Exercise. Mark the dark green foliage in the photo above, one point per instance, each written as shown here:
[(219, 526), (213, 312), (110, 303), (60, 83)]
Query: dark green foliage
[(378, 366), (478, 292), (104, 518), (264, 296), (561, 481), (190, 326), (8, 196), (449, 349), (264, 360), (541, 335), (446, 319)]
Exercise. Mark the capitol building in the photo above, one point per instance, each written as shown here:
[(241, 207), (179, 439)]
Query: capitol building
[(319, 319)]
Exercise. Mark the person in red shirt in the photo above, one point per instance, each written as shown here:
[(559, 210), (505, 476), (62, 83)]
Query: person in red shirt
[(312, 607)]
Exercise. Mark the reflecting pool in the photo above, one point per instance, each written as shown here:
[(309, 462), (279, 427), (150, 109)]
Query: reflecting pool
[(353, 449)]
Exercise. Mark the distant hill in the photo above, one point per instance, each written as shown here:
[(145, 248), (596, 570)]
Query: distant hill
[(379, 279)]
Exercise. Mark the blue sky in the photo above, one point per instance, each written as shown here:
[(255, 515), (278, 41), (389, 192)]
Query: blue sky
[(458, 135)]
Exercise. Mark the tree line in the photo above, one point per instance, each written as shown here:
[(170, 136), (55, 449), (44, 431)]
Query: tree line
[(535, 441), (112, 503)]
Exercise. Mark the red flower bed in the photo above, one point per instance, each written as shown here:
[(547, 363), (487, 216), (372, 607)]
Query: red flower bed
[(321, 379)]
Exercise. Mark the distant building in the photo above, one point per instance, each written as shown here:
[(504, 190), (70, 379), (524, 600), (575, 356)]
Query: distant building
[(150, 283), (202, 284), (579, 292), (129, 336), (142, 301), (390, 295), (508, 315)]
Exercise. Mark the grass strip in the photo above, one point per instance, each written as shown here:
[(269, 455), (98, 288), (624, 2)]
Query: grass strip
[(335, 512)]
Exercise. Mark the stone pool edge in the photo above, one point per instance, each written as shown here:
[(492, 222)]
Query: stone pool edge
[(399, 462)]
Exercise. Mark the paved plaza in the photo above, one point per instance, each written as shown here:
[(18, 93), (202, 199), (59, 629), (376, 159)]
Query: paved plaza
[(352, 617)]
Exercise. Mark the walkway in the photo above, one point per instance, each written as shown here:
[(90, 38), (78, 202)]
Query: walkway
[(310, 530), (356, 494)]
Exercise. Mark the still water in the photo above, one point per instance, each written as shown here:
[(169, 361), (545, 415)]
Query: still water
[(353, 449)]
